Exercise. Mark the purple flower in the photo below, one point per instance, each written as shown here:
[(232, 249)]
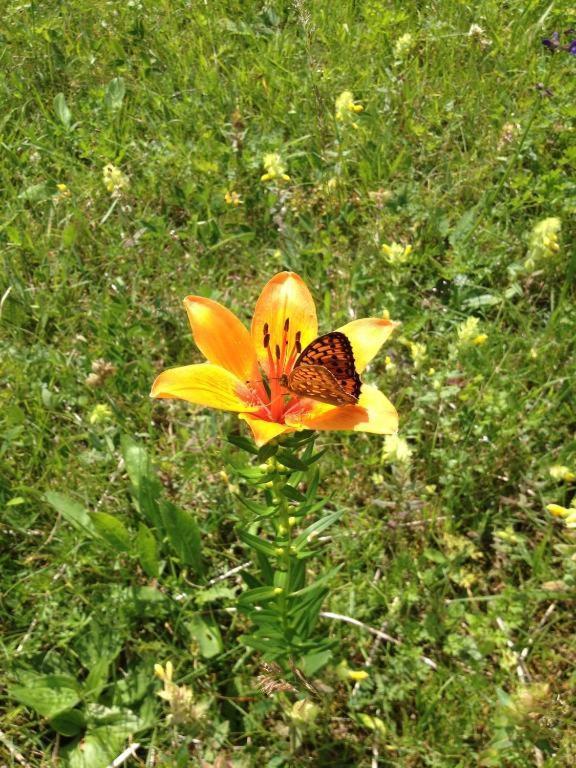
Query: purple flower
[(552, 43), (572, 47)]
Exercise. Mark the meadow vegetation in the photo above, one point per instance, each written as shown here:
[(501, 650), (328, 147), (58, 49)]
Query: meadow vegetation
[(409, 158)]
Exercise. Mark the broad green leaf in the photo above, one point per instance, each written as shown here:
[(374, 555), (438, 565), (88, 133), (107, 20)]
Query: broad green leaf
[(183, 534), (68, 723), (115, 94), (97, 748), (205, 631), (49, 695), (147, 550), (112, 530), (72, 511), (38, 193), (62, 111), (137, 461), (260, 545), (212, 594), (315, 660)]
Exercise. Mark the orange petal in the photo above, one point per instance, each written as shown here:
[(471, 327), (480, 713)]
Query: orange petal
[(367, 336), (373, 413), (221, 337), (205, 384), (284, 297), (263, 430)]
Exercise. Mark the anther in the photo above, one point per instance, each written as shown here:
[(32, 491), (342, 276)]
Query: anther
[(266, 329), (277, 352), (286, 324), (266, 340)]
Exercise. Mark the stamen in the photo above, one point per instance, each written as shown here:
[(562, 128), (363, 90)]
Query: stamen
[(286, 325), (266, 329), (298, 342), (266, 340), (277, 352)]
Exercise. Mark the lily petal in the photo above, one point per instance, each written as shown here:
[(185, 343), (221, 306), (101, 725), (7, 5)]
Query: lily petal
[(284, 297), (263, 430), (373, 413), (221, 337), (367, 336), (205, 384)]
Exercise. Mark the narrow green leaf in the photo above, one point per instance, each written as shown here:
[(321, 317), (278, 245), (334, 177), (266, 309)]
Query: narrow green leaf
[(244, 443), (147, 550), (72, 511), (183, 534), (257, 595), (112, 530), (62, 111), (316, 528), (288, 459), (292, 493), (322, 580), (260, 545)]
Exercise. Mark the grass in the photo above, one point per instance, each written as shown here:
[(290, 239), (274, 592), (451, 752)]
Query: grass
[(464, 145)]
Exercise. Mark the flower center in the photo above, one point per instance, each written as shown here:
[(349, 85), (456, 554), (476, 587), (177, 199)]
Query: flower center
[(281, 360)]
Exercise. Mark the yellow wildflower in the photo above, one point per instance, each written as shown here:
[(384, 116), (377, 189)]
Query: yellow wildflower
[(391, 366), (232, 198), (562, 473), (403, 46), (557, 511), (304, 712), (275, 168), (482, 338), (63, 192), (543, 241), (100, 414), (346, 107), (183, 708), (358, 675), (115, 180), (396, 253), (418, 352), (396, 450)]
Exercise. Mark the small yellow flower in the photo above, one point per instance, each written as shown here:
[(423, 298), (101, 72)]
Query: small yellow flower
[(358, 675), (543, 243), (391, 366), (232, 198), (275, 168), (100, 414), (115, 180), (63, 192), (346, 108), (396, 450), (183, 706), (562, 473), (403, 46), (467, 330), (396, 253), (482, 338), (304, 712), (418, 352), (557, 511)]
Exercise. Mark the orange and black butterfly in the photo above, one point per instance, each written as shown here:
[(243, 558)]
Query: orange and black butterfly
[(325, 371)]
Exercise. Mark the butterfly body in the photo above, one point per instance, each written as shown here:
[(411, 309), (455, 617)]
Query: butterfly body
[(325, 370)]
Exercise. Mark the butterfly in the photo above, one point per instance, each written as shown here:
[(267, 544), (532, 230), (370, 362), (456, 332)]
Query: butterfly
[(325, 371)]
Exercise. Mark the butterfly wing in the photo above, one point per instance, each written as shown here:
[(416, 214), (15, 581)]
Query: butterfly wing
[(333, 352), (317, 382)]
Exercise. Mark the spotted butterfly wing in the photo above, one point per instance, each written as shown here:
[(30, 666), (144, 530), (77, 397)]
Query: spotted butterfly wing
[(325, 371)]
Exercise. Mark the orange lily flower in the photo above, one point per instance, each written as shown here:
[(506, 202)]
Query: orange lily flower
[(246, 371)]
